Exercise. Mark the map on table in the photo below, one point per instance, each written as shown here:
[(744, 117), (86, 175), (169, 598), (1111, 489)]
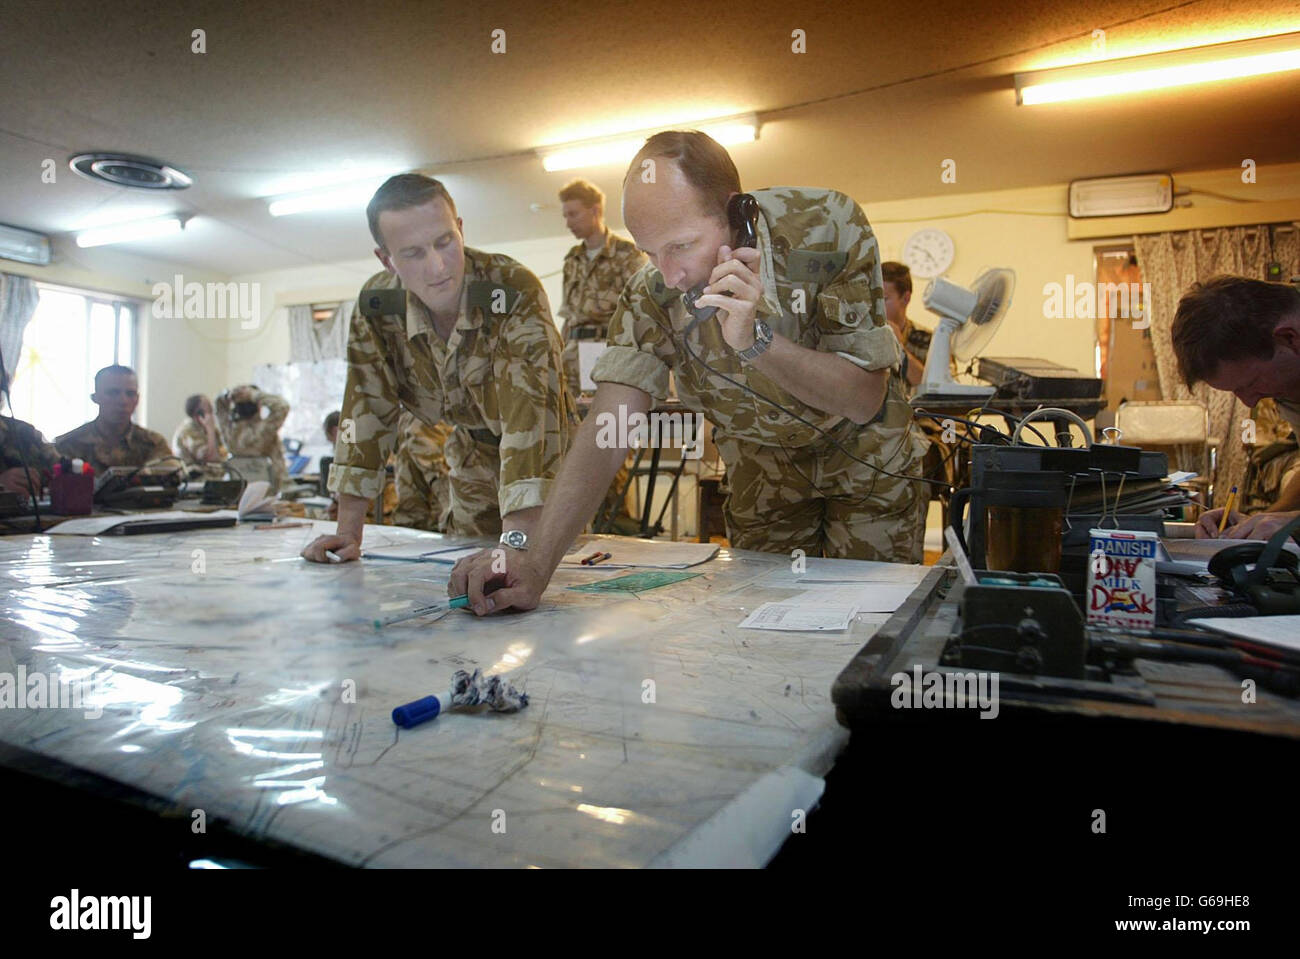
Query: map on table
[(634, 582)]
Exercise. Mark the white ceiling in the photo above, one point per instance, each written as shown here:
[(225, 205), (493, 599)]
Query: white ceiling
[(289, 90)]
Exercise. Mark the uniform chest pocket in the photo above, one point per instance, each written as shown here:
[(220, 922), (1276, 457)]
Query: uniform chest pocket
[(475, 368)]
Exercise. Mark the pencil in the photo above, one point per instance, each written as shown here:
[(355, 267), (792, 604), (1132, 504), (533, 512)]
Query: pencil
[(1227, 509), (453, 602)]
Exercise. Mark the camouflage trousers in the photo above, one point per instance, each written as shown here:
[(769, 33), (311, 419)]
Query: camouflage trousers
[(473, 474), (420, 471), (817, 499)]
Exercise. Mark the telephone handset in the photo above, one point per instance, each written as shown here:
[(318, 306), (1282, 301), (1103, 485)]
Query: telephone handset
[(742, 215)]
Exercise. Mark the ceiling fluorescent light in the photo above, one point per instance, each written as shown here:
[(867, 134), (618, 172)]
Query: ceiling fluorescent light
[(349, 195), (1122, 195), (126, 232), (24, 246), (1157, 71), (622, 147)]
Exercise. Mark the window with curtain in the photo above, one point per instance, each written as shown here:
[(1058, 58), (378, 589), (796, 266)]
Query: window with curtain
[(72, 334)]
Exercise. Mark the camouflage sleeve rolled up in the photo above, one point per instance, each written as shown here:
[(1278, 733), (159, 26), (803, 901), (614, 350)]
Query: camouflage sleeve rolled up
[(852, 321), (369, 414), (277, 408), (639, 350), (533, 407)]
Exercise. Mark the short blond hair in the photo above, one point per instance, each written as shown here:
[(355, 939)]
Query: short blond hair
[(584, 191)]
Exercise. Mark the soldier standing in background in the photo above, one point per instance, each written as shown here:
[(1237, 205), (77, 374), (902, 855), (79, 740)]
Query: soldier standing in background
[(595, 272), (248, 432)]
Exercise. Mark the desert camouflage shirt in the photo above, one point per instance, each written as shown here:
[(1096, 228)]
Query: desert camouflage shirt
[(498, 374), (258, 435), (21, 442), (592, 284), (191, 440), (821, 289), (136, 447)]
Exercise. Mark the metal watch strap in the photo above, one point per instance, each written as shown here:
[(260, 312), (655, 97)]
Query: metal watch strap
[(761, 342)]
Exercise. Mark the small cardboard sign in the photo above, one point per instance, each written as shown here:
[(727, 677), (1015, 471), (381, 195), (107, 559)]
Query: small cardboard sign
[(1122, 578)]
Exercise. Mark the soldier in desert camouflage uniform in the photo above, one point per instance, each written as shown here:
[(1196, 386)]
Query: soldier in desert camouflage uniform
[(192, 437), (475, 347), (595, 272), (22, 445), (419, 466), (253, 434), (815, 281), (420, 469), (111, 439)]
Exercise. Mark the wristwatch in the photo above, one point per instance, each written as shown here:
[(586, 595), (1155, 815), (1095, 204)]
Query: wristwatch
[(762, 340), (515, 539)]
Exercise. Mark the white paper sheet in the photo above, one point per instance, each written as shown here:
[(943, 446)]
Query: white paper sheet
[(796, 615), (588, 353), (1281, 631), (867, 597), (628, 551)]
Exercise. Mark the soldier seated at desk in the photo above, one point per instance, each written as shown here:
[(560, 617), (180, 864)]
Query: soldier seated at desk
[(111, 439), (1243, 336), (198, 441), (26, 460)]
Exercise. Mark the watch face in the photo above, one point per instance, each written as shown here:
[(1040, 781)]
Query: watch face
[(514, 538)]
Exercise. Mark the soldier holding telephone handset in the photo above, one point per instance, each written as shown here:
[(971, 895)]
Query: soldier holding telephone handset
[(780, 342)]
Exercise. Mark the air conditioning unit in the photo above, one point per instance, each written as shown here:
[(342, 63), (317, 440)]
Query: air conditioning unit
[(1122, 195), (24, 246)]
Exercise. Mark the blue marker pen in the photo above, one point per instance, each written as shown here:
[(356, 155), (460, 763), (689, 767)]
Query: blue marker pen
[(467, 689), (420, 711)]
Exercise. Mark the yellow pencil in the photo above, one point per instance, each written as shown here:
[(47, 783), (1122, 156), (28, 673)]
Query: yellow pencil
[(1227, 509)]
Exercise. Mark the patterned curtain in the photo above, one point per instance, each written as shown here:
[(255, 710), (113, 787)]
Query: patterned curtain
[(18, 299), (311, 342), (1171, 263)]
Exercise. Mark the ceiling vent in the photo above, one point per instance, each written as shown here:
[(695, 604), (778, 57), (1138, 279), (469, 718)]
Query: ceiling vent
[(121, 169)]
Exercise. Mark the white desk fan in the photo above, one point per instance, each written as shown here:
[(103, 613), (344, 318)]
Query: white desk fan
[(968, 318)]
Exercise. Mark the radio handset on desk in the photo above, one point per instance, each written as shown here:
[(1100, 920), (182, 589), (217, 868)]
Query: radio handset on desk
[(1264, 574), (742, 215)]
